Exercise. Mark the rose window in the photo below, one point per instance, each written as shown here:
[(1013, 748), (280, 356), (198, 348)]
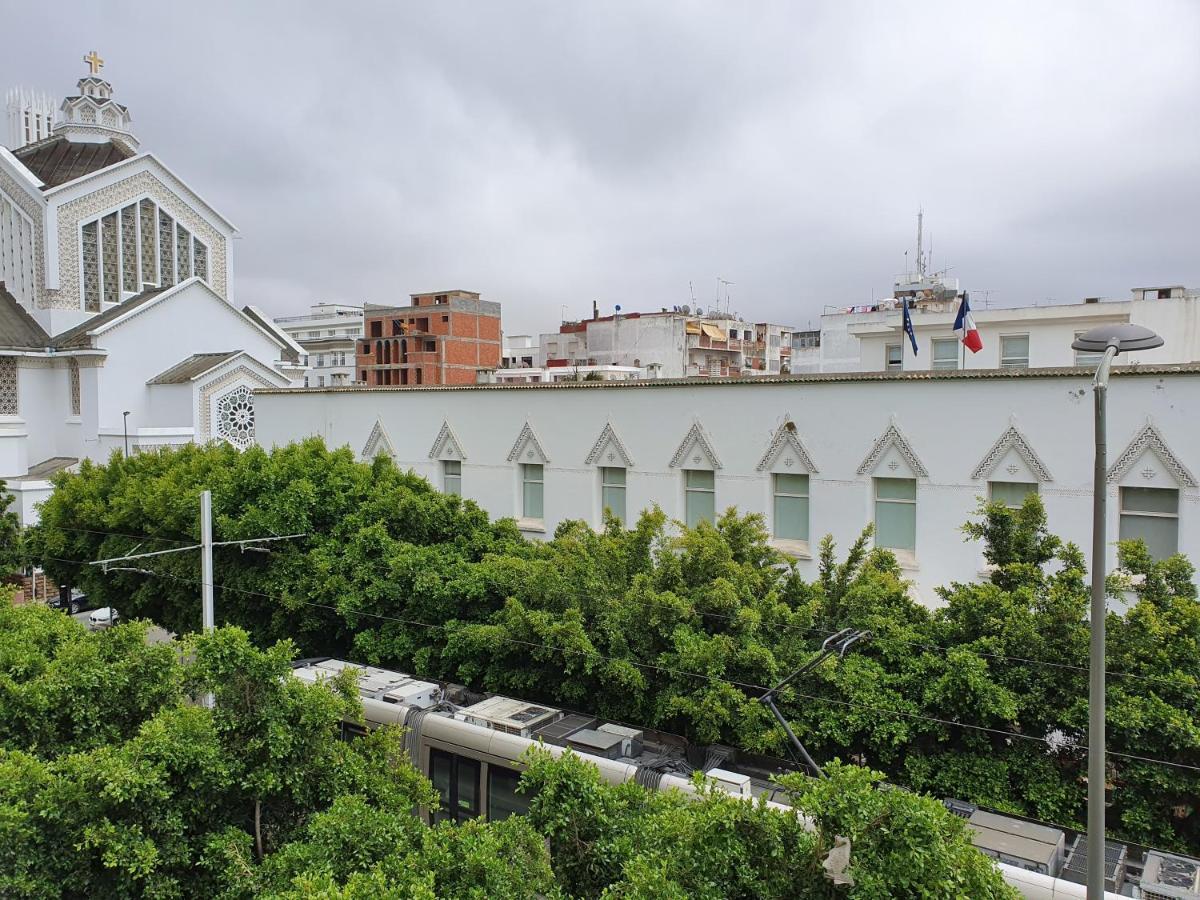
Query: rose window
[(235, 417)]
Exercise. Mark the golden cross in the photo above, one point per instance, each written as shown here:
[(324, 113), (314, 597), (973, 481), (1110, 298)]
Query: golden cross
[(94, 62)]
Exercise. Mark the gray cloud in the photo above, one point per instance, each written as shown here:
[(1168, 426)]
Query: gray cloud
[(548, 153)]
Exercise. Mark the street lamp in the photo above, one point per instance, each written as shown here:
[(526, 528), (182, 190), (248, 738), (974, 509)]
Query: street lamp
[(1109, 340), (125, 428)]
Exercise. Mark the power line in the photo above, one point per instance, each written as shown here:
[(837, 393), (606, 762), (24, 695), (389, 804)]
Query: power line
[(711, 678)]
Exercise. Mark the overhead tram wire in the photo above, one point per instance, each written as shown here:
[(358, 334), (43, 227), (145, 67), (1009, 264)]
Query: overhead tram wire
[(699, 675), (826, 632)]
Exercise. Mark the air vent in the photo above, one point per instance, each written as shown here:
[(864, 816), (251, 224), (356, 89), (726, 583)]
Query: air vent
[(1115, 857), (1169, 877)]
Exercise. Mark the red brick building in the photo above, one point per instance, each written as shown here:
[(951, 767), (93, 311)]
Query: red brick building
[(440, 338)]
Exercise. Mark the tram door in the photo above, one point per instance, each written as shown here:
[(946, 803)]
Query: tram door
[(457, 781)]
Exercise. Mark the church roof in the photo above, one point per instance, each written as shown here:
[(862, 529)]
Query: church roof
[(57, 160), (18, 329), (192, 367), (79, 337)]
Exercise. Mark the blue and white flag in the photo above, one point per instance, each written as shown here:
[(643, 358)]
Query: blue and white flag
[(908, 329)]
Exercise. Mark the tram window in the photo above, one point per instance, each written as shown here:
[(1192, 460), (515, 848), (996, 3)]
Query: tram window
[(503, 799), (457, 781)]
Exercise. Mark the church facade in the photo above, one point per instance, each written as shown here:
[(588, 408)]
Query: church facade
[(119, 325)]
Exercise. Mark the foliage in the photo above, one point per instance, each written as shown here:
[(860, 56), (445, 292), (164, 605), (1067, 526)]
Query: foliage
[(12, 555), (681, 629)]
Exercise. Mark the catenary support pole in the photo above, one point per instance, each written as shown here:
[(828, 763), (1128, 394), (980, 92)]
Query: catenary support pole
[(206, 570), (1096, 700)]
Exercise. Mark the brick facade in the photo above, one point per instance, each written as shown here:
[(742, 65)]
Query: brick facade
[(441, 338)]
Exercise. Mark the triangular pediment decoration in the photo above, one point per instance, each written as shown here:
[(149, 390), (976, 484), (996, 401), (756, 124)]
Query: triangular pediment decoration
[(892, 439), (609, 450), (695, 450), (528, 449), (787, 441), (378, 444), (1012, 440), (1150, 439), (446, 445)]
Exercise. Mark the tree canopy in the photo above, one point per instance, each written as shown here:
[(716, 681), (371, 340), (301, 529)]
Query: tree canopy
[(982, 699)]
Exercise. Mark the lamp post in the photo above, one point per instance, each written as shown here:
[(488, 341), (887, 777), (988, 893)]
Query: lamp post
[(1109, 340), (125, 428)]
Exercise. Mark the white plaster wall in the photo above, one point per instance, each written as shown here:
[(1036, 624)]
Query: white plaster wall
[(1051, 330), (161, 335), (951, 423), (45, 407)]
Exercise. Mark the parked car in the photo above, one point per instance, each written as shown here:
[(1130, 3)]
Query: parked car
[(71, 600), (103, 617)]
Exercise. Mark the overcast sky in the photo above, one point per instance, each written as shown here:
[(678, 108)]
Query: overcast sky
[(557, 152)]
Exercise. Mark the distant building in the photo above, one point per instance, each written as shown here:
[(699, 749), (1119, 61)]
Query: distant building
[(329, 335), (520, 351), (667, 344), (555, 374), (441, 338), (871, 339)]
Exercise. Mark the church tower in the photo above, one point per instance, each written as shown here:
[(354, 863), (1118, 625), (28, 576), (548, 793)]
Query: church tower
[(92, 116), (30, 117)]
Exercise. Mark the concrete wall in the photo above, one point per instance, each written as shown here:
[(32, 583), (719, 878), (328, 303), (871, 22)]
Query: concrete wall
[(950, 421)]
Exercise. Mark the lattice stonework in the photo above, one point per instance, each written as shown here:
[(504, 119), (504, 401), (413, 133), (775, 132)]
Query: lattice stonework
[(9, 404), (235, 417), (33, 210), (129, 249), (73, 371), (199, 259), (149, 243), (183, 255), (91, 267), (108, 256), (166, 248), (172, 196)]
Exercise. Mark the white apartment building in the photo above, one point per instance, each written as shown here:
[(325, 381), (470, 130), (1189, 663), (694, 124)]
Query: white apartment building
[(873, 340), (814, 454), (555, 374), (328, 335), (665, 344)]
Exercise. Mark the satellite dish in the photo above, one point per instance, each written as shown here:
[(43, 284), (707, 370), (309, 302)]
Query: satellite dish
[(699, 311), (618, 307), (685, 309)]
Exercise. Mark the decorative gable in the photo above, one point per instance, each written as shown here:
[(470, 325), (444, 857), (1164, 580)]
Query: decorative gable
[(609, 450), (528, 449), (894, 455), (378, 443), (446, 445), (695, 451), (1012, 456), (786, 452), (1150, 461)]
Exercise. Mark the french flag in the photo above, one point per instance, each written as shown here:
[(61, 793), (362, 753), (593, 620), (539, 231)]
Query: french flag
[(964, 327)]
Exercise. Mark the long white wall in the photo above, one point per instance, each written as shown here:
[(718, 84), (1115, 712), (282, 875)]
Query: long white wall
[(951, 422)]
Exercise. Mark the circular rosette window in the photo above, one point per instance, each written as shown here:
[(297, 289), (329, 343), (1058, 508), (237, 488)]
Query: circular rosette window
[(235, 417)]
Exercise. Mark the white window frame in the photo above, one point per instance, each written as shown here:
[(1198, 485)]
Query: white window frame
[(607, 486), (1037, 489), (452, 480), (525, 480), (689, 490), (1148, 514), (888, 365), (910, 551), (776, 494), (1014, 362), (952, 362), (1087, 358)]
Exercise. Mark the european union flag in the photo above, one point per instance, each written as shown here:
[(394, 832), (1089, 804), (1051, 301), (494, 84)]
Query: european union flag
[(908, 329)]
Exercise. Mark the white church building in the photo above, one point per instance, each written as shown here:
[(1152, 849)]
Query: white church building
[(119, 326)]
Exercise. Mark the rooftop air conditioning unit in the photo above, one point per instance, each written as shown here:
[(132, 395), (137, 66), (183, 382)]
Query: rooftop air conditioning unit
[(734, 782), (631, 739), (1170, 877), (519, 717)]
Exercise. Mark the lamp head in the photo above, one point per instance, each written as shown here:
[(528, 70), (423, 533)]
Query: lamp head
[(1125, 337)]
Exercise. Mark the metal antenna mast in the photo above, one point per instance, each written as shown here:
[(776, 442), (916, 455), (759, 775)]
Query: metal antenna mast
[(920, 242), (836, 643)]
